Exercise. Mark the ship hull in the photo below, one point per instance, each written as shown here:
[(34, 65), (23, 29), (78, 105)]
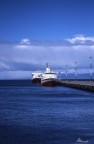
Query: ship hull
[(49, 82), (36, 80)]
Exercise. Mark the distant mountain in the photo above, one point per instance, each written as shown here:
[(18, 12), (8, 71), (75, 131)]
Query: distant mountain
[(79, 76)]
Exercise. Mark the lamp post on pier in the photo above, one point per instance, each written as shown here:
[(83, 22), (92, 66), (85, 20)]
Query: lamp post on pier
[(75, 70), (66, 71), (90, 68)]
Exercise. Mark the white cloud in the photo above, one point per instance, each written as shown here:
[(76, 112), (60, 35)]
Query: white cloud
[(18, 56), (80, 38), (24, 44), (25, 41), (56, 55)]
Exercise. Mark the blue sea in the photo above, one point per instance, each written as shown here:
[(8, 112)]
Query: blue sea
[(33, 114)]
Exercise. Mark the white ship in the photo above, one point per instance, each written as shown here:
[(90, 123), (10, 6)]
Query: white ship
[(36, 77), (49, 78)]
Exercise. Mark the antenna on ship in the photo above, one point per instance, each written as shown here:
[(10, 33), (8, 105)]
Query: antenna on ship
[(47, 67), (90, 68), (66, 71)]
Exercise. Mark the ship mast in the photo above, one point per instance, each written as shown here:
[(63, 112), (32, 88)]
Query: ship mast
[(48, 68)]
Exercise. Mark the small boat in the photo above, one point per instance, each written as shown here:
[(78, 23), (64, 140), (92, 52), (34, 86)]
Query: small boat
[(49, 78), (36, 77), (81, 141)]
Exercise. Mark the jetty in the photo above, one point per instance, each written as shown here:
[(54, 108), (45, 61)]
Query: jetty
[(78, 84)]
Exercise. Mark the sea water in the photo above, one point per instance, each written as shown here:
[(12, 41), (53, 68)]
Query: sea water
[(33, 114)]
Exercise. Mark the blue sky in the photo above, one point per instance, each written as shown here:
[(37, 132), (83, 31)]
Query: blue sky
[(33, 32), (45, 19)]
